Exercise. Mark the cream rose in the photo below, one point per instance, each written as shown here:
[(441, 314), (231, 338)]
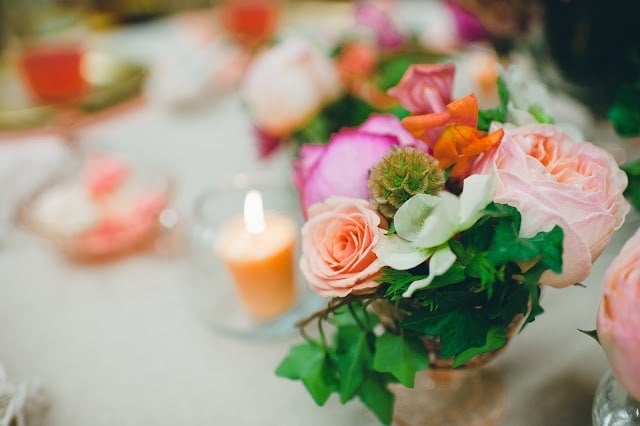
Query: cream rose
[(553, 179), (337, 247), (286, 85), (619, 316)]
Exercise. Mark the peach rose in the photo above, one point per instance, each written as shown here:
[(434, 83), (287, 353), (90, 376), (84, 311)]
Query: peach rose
[(619, 316), (553, 179), (337, 247), (286, 85)]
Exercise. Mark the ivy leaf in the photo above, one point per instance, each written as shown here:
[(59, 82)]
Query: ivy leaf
[(480, 267), (633, 189), (515, 302), (374, 394), (309, 363), (496, 339), (458, 329), (352, 357), (531, 280), (401, 356)]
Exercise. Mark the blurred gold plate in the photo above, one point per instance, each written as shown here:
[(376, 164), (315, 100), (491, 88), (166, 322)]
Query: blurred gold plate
[(112, 81)]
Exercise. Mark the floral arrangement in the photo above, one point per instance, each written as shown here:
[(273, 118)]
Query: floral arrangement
[(618, 322), (431, 236)]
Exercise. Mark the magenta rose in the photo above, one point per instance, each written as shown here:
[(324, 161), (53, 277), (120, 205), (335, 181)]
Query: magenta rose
[(619, 316), (337, 247), (425, 88), (553, 179), (341, 167)]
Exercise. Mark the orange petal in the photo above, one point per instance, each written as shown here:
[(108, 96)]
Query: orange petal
[(464, 110), (460, 144), (417, 125)]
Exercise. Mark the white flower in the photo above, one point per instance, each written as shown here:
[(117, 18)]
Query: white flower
[(425, 223), (286, 85)]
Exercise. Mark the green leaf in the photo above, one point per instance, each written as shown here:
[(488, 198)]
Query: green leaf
[(591, 333), (374, 394), (398, 281), (401, 356), (624, 113), (459, 329), (531, 280), (346, 316), (352, 358), (633, 189), (540, 115), (480, 267), (496, 339), (309, 363), (499, 114)]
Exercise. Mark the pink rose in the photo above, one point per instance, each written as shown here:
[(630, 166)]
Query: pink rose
[(337, 247), (342, 166), (619, 316), (286, 85), (553, 179), (424, 88)]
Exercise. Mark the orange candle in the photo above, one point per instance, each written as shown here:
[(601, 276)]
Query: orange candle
[(259, 251)]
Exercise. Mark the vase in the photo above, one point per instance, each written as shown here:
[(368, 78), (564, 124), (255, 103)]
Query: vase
[(469, 395), (465, 396), (613, 405)]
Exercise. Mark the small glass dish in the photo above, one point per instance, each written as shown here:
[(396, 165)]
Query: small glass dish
[(89, 229), (217, 292)]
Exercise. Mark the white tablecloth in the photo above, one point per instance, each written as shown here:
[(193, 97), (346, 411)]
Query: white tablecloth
[(119, 343)]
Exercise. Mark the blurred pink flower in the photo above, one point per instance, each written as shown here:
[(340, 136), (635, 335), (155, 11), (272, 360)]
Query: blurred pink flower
[(341, 167), (102, 174), (554, 180), (370, 14), (337, 247), (468, 25), (619, 316), (425, 88)]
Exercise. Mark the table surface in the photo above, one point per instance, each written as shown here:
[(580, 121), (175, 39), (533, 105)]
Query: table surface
[(120, 343)]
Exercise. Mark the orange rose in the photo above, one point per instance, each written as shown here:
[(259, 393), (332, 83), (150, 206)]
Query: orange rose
[(337, 247)]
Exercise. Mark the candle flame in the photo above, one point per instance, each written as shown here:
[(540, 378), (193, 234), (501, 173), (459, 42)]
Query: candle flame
[(253, 212)]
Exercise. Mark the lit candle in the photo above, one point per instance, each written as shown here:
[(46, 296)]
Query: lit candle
[(258, 250)]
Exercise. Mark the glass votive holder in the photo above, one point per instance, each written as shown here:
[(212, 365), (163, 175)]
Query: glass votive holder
[(124, 211), (244, 240)]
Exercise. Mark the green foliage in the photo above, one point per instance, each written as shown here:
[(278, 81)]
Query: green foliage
[(346, 364), (398, 281), (499, 113), (624, 113), (309, 363), (467, 311), (633, 190), (400, 355), (496, 339), (346, 111), (540, 115), (377, 397)]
